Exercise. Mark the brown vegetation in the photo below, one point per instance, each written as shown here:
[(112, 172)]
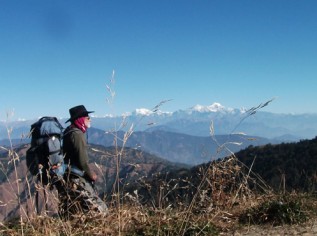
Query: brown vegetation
[(221, 197), (149, 196)]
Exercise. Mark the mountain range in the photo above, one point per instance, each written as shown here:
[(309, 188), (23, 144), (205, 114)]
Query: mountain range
[(197, 121), (192, 136), (177, 147)]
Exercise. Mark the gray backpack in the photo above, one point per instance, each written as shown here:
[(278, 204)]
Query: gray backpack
[(44, 158)]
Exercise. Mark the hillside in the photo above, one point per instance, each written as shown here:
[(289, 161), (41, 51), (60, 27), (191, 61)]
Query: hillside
[(133, 164), (289, 166), (178, 147), (279, 168), (218, 197), (171, 146)]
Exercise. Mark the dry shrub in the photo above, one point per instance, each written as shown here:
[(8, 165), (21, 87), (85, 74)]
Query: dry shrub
[(201, 198), (277, 210), (200, 201)]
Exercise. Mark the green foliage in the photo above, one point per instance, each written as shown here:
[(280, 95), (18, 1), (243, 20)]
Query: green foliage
[(286, 166)]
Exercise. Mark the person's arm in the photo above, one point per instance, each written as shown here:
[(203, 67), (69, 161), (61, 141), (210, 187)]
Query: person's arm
[(82, 154)]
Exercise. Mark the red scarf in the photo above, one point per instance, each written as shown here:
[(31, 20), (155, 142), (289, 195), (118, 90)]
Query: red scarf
[(80, 124)]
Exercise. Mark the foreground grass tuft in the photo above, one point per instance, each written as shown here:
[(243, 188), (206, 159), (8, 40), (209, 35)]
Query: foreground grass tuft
[(279, 211)]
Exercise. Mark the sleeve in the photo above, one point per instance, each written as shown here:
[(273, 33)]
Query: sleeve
[(80, 149)]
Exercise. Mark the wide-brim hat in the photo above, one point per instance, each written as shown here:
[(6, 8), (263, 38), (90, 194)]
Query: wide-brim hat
[(78, 111)]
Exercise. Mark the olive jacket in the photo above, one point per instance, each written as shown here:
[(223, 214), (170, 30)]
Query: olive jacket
[(75, 150)]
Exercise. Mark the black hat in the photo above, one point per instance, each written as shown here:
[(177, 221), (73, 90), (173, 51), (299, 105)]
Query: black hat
[(78, 111)]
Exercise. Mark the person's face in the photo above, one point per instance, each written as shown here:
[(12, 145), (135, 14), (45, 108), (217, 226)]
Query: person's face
[(87, 121)]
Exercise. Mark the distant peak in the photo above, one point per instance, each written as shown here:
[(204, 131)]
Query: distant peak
[(143, 112), (147, 112), (215, 107)]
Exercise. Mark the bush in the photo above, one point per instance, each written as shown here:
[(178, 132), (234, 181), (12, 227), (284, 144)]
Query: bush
[(279, 211)]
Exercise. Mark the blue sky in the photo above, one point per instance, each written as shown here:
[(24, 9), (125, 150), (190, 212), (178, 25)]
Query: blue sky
[(58, 54)]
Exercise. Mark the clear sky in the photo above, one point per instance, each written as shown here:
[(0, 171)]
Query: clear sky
[(55, 54)]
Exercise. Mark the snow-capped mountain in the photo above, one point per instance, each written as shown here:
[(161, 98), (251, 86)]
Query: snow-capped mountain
[(215, 107), (199, 121)]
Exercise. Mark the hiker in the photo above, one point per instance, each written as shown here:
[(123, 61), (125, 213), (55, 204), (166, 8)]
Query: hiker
[(45, 160), (79, 176)]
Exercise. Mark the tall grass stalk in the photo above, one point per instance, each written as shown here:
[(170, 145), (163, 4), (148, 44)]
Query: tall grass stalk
[(120, 150), (221, 185), (14, 157), (206, 174)]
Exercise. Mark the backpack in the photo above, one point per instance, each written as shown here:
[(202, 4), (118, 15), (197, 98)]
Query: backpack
[(44, 158)]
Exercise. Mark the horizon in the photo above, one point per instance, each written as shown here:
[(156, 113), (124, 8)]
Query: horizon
[(118, 56), (148, 112)]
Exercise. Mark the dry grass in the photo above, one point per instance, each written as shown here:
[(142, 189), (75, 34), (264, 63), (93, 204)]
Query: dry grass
[(217, 206), (211, 203)]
